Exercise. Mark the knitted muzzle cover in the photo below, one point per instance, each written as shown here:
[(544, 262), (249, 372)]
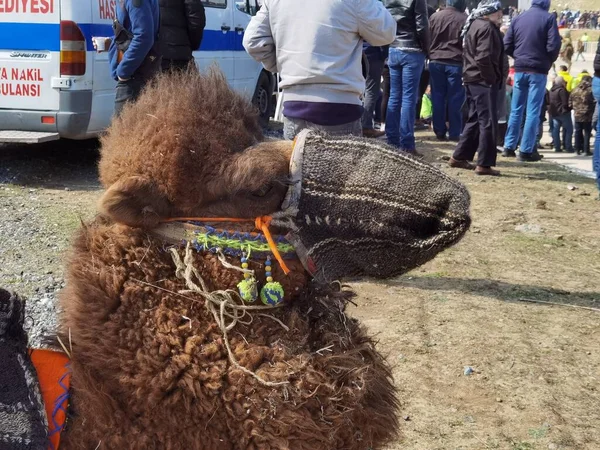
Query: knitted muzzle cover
[(358, 208)]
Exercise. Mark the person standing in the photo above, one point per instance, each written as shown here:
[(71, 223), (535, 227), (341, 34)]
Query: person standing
[(376, 56), (580, 50), (406, 62), (316, 48), (445, 69), (560, 111), (182, 25), (596, 92), (483, 56), (533, 41), (134, 56), (583, 104), (563, 72), (567, 52)]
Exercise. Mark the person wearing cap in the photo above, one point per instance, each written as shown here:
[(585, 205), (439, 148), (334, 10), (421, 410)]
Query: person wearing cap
[(483, 56)]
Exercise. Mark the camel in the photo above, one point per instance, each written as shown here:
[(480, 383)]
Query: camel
[(164, 353)]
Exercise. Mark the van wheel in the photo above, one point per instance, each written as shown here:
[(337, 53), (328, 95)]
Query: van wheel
[(263, 98)]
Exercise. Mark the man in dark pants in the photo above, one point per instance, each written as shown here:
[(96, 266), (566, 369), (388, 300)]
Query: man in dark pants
[(182, 25), (133, 66), (483, 54), (445, 68), (375, 58)]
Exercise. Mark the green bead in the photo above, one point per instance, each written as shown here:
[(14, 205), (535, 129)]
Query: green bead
[(248, 290), (272, 293)]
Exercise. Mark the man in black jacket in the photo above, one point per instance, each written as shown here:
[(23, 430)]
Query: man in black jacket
[(182, 25), (483, 55), (406, 62)]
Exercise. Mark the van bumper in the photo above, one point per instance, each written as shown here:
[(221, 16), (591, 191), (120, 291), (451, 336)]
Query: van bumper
[(71, 121)]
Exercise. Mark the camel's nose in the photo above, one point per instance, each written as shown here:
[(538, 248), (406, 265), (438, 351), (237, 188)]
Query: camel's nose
[(367, 210)]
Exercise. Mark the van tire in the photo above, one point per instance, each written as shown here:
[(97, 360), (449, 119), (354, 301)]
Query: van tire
[(263, 98)]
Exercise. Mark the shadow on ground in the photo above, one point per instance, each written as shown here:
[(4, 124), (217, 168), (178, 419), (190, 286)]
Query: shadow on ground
[(499, 290), (59, 164)]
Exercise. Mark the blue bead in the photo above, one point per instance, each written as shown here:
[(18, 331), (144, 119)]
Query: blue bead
[(267, 274), (244, 260)]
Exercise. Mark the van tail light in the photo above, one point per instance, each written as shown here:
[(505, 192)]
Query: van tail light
[(72, 49)]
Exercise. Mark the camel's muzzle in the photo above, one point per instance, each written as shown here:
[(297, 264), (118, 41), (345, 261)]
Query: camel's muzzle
[(359, 208)]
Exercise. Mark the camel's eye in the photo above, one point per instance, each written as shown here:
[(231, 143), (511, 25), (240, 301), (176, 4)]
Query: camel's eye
[(264, 190)]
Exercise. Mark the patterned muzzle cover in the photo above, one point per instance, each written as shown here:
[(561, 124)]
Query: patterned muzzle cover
[(359, 208)]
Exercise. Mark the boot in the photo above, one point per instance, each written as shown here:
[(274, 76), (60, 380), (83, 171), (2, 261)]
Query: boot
[(372, 133), (529, 157), (481, 170), (460, 164)]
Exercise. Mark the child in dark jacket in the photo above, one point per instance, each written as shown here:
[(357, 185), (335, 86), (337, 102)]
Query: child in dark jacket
[(583, 104), (559, 109)]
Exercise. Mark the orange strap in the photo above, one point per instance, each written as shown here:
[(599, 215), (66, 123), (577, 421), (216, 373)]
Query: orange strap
[(261, 223)]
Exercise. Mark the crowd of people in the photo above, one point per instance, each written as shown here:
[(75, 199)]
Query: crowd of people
[(446, 69)]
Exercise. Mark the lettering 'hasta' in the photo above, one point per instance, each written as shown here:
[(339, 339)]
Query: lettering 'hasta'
[(27, 6)]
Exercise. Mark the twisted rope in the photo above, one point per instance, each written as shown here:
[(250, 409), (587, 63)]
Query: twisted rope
[(224, 305)]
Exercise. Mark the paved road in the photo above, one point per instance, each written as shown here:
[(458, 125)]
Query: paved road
[(580, 164)]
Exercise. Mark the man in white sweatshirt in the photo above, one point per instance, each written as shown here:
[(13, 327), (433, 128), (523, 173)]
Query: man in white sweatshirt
[(316, 48)]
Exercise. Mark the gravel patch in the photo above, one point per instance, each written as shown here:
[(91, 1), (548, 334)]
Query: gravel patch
[(44, 193)]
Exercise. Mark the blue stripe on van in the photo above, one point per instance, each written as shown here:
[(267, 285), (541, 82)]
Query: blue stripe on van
[(30, 36), (46, 36)]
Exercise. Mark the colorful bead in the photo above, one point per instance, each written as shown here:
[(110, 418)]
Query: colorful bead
[(269, 279), (244, 259), (272, 293), (248, 290), (245, 265)]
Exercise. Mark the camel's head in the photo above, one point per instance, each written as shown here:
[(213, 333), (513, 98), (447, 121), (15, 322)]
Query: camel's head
[(190, 146)]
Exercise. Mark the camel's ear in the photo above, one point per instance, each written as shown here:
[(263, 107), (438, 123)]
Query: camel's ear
[(135, 201)]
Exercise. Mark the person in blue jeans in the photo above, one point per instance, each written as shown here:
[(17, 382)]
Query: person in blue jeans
[(445, 69), (406, 62), (534, 43), (596, 91)]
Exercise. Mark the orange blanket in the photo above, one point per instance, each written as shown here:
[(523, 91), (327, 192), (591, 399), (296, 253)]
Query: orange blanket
[(54, 376)]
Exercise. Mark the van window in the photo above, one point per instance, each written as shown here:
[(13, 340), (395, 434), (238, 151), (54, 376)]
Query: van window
[(215, 3), (247, 6)]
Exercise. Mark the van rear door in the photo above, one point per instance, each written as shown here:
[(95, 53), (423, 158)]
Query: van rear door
[(29, 54)]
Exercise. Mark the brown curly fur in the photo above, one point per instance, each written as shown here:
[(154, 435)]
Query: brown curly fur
[(143, 377)]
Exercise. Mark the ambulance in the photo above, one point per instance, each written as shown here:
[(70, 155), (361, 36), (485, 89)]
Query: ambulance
[(53, 84)]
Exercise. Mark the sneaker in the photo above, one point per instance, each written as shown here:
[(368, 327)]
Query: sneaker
[(454, 139), (588, 154), (570, 150), (441, 137), (508, 153), (460, 164), (529, 157), (480, 170), (371, 133)]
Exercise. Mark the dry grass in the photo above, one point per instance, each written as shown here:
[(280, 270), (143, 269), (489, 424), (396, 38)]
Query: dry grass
[(537, 367)]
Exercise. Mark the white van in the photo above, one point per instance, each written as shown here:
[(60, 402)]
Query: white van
[(54, 85)]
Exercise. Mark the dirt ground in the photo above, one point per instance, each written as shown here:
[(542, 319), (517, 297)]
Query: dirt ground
[(536, 367)]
